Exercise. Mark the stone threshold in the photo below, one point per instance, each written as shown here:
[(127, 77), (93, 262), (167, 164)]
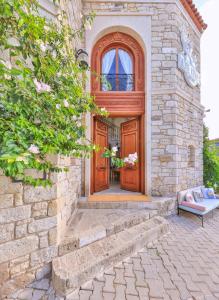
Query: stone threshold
[(165, 205)]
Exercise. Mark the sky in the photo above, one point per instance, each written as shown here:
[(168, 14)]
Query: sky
[(209, 10)]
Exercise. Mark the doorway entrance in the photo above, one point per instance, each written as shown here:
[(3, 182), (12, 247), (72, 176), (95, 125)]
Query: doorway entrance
[(118, 85), (124, 134)]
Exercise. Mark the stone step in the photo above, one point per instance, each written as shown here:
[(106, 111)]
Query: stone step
[(77, 267), (86, 229), (164, 205)]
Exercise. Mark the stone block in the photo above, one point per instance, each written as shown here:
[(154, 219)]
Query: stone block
[(4, 272), (14, 214), (18, 199), (21, 230), (42, 224), (19, 268), (17, 248), (44, 239), (16, 283), (43, 256), (6, 200), (39, 209), (44, 271), (9, 187), (39, 194), (6, 232), (53, 235), (52, 208)]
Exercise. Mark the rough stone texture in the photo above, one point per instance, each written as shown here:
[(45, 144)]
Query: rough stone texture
[(33, 220), (74, 268), (181, 265), (176, 112)]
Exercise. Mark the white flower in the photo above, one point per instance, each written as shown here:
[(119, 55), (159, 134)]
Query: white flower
[(43, 47), (7, 64), (68, 137), (103, 109), (41, 86), (74, 118), (66, 104), (33, 149), (58, 106), (114, 149), (88, 26)]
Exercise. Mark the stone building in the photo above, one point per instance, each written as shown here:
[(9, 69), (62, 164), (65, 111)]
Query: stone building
[(145, 70)]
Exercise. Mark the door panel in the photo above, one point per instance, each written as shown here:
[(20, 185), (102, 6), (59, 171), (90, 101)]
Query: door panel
[(101, 164), (130, 175)]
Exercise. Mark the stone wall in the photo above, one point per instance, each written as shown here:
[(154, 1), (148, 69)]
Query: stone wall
[(32, 223), (176, 113), (33, 220)]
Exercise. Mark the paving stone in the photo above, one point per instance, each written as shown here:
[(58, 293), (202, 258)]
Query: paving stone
[(120, 292), (140, 279), (156, 289), (131, 286), (131, 297), (128, 270), (171, 270), (137, 266), (108, 286), (98, 290), (108, 296), (143, 293), (85, 295), (119, 279)]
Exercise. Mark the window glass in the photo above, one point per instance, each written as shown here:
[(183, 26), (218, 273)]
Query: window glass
[(117, 71)]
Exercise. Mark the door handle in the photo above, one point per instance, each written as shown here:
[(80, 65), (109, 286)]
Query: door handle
[(101, 168)]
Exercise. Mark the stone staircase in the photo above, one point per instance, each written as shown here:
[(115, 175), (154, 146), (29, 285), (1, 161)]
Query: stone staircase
[(99, 238)]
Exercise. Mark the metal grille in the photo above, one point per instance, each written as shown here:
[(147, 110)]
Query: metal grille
[(117, 82)]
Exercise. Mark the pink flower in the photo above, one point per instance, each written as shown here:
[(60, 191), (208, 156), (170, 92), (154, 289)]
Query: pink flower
[(41, 86), (33, 149), (131, 159)]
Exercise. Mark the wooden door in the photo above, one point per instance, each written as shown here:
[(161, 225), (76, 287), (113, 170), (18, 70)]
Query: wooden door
[(130, 175), (101, 164)]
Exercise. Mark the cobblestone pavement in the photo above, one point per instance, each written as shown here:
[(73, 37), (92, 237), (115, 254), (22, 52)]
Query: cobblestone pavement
[(182, 265)]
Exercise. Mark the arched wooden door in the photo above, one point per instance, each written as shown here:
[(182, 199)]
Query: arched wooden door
[(124, 98)]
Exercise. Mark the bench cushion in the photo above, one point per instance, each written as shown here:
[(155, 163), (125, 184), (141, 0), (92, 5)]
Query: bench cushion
[(193, 205), (207, 204)]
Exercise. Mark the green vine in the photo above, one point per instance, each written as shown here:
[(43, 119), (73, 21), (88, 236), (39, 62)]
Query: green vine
[(42, 96)]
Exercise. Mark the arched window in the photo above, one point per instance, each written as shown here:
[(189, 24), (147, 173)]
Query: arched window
[(117, 70)]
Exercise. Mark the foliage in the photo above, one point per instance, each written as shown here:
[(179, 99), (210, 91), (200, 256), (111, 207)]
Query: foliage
[(116, 161), (131, 159), (42, 91), (211, 162)]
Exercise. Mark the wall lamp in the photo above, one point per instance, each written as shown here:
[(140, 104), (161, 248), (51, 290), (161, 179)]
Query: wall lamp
[(82, 57)]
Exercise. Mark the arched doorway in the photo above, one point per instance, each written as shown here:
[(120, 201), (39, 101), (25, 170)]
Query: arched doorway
[(117, 82)]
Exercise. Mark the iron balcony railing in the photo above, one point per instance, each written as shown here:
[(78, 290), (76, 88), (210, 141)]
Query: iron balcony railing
[(117, 82)]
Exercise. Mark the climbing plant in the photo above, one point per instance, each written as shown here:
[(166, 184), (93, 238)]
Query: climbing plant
[(42, 95), (210, 162)]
